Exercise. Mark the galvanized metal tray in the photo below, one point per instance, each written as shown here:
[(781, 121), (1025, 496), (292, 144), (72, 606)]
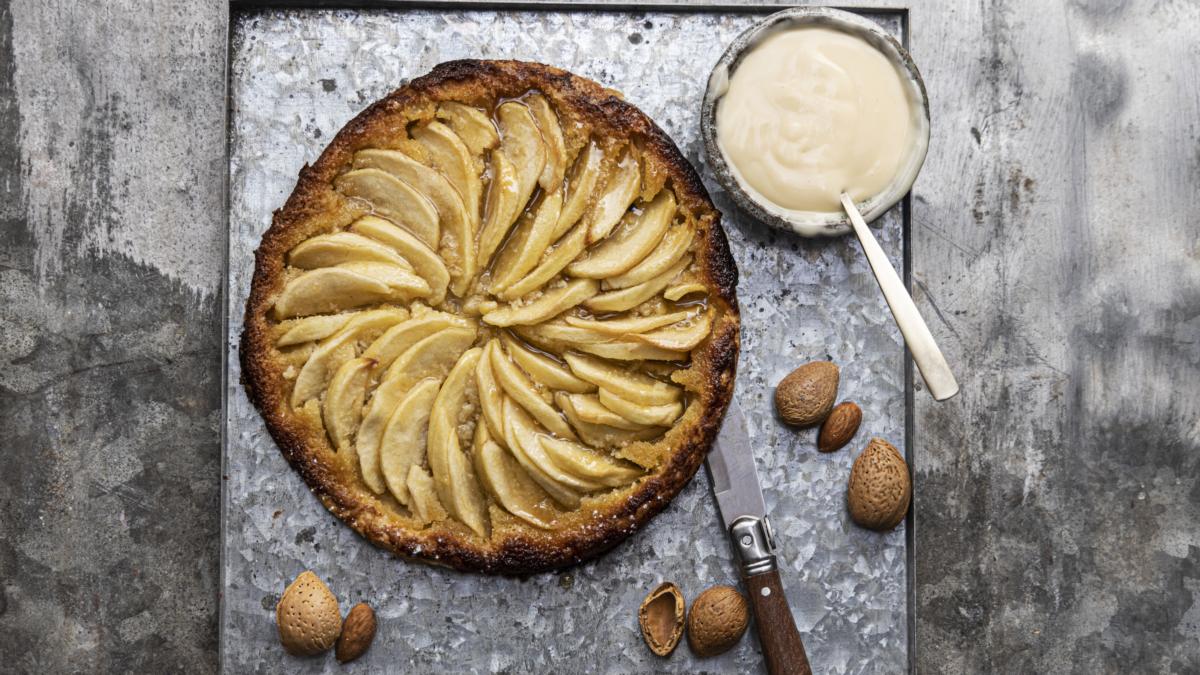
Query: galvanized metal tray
[(298, 72)]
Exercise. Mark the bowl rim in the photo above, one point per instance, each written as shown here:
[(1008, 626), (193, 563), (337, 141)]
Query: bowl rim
[(820, 224)]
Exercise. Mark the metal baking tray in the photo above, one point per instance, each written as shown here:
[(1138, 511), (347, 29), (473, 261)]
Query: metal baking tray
[(300, 70)]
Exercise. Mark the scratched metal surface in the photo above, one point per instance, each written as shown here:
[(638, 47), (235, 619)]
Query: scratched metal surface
[(296, 78)]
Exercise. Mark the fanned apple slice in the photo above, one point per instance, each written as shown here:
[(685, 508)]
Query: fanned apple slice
[(308, 329), (521, 141), (397, 339), (423, 497), (583, 462), (628, 298), (527, 437), (334, 351), (556, 151), (432, 356), (393, 199), (457, 243), (450, 155), (402, 445), (342, 408), (681, 337), (491, 397), (637, 387), (580, 187), (545, 370), (674, 245), (509, 484), (520, 435), (327, 250), (471, 124), (531, 238), (601, 435), (404, 284), (502, 208), (552, 303), (553, 262), (453, 477), (424, 260), (650, 415), (630, 243), (623, 187), (589, 409), (518, 386), (328, 290), (628, 325), (620, 350), (674, 293), (557, 337)]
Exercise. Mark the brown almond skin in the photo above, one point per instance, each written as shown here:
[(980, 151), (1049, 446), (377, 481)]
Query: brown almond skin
[(839, 427), (807, 394), (358, 632), (880, 489), (661, 618), (717, 620), (308, 616)]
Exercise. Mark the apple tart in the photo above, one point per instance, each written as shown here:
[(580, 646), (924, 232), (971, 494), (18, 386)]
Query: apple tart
[(494, 325)]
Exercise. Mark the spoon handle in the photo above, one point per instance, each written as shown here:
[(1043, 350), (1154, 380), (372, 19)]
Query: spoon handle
[(920, 342)]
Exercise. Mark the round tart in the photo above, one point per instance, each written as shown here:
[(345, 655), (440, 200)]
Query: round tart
[(494, 326)]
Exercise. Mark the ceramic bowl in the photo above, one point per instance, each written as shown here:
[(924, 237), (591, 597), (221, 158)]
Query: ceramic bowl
[(813, 224)]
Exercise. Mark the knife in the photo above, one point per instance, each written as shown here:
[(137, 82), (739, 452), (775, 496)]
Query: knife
[(740, 500)]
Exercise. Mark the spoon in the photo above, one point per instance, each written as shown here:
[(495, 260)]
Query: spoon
[(924, 349)]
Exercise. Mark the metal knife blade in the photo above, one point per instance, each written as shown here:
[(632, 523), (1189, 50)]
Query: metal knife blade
[(731, 468)]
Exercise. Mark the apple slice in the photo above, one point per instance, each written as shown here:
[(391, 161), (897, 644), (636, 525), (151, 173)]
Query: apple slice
[(553, 262), (453, 477), (637, 387), (471, 124), (628, 298), (650, 415), (432, 356), (601, 435), (448, 154), (589, 409), (397, 339), (623, 186), (393, 199), (549, 373), (334, 351), (680, 337), (674, 293), (621, 350), (423, 498), (673, 246), (457, 244), (423, 260), (556, 151), (327, 250), (308, 329), (342, 408), (628, 325), (328, 290), (581, 187), (520, 435), (509, 484), (404, 284), (525, 436), (518, 386), (531, 238), (557, 337), (630, 243), (402, 445), (503, 206), (491, 397), (521, 142), (552, 303), (583, 462)]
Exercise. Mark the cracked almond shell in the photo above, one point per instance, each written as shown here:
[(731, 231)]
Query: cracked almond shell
[(661, 618)]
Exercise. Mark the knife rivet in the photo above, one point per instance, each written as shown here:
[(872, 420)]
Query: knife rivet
[(766, 591), (747, 540)]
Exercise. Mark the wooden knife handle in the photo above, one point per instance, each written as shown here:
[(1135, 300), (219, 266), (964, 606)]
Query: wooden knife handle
[(777, 632)]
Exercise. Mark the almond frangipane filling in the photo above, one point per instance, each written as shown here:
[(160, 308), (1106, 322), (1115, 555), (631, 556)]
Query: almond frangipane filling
[(500, 321)]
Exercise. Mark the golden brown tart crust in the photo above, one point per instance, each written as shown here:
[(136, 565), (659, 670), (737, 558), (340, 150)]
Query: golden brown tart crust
[(314, 207)]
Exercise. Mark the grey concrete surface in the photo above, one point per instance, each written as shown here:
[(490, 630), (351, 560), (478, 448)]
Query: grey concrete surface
[(1054, 248)]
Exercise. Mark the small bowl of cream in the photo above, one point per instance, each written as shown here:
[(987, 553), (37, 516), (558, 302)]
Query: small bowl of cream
[(811, 103)]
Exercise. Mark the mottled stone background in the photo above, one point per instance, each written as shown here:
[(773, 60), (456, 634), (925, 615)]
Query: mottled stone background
[(297, 77)]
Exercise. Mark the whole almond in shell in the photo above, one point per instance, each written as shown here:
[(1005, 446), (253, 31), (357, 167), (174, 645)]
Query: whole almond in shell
[(308, 616), (839, 427), (357, 633), (880, 488), (807, 394), (661, 618), (717, 620)]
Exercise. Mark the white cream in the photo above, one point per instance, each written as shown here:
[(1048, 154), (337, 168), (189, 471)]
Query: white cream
[(811, 112)]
